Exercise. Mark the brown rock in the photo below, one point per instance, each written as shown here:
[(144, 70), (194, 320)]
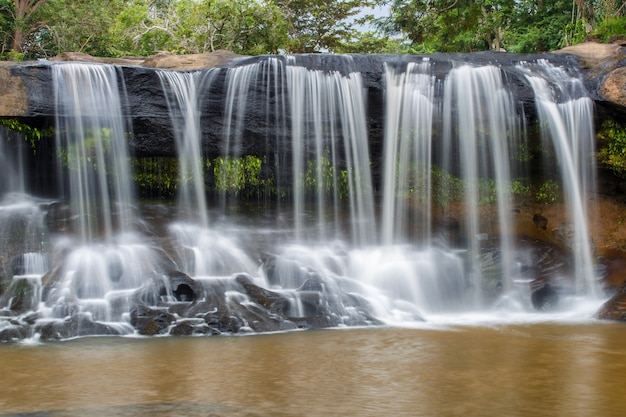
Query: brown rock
[(615, 307), (167, 60), (614, 87), (593, 54), (81, 57), (163, 60), (13, 91)]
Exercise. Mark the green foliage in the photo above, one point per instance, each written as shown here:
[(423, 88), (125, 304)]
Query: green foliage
[(520, 190), (84, 153), (239, 176), (612, 146), (31, 134), (319, 25), (320, 177), (14, 56), (143, 27), (371, 43), (573, 33), (548, 192), (446, 188), (77, 26), (610, 27), (190, 26), (527, 26)]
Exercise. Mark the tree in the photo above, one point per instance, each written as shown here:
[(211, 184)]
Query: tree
[(537, 26), (6, 25), (319, 25), (24, 21), (76, 25), (192, 26), (470, 25)]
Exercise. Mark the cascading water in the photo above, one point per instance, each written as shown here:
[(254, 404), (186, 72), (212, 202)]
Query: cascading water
[(91, 141), (98, 265), (435, 234), (566, 113), (480, 120), (330, 149), (409, 115), (203, 252), (183, 88)]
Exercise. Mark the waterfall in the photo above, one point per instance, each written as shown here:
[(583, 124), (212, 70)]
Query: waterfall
[(183, 92), (202, 252), (410, 104), (566, 115), (296, 210), (330, 150), (92, 148), (480, 121), (11, 159)]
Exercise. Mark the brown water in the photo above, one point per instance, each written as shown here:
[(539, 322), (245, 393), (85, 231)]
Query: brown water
[(504, 370)]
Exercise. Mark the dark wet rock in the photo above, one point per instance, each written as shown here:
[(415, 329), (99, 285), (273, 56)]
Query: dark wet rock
[(540, 221), (269, 300), (254, 318), (224, 322), (150, 321), (21, 296), (14, 333), (183, 287), (78, 325), (545, 298), (615, 307), (192, 328)]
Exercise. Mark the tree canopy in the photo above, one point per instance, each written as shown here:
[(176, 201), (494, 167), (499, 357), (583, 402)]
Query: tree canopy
[(513, 25), (42, 28)]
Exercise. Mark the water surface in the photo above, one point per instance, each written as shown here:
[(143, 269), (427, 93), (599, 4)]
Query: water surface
[(537, 369)]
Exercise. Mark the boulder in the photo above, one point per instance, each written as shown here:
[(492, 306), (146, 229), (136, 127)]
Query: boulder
[(613, 87), (149, 321), (615, 307), (13, 91), (14, 333), (77, 325), (602, 66), (166, 60)]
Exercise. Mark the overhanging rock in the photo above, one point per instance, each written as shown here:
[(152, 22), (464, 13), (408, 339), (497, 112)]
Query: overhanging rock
[(27, 90)]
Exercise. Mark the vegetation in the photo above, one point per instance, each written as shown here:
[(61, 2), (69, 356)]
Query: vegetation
[(32, 29), (447, 188), (31, 134), (513, 25), (612, 146), (239, 176), (156, 177)]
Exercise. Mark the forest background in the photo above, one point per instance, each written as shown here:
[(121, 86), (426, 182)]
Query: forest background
[(35, 29)]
